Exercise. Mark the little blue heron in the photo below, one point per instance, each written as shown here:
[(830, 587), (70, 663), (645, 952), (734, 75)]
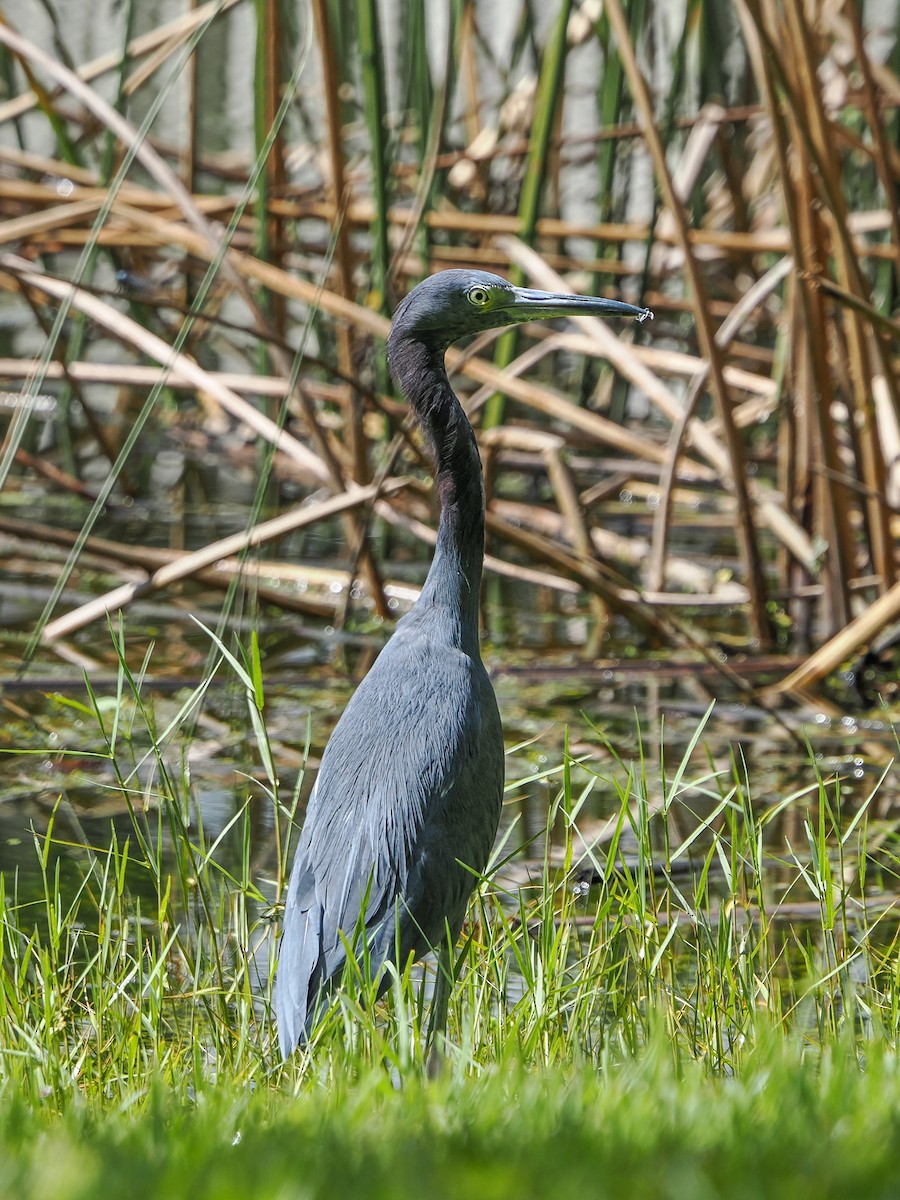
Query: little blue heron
[(405, 808)]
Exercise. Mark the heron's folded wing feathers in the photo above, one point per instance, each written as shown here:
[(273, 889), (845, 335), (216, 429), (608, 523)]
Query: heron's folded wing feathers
[(366, 849)]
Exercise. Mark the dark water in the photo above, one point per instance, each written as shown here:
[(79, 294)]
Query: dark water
[(616, 716)]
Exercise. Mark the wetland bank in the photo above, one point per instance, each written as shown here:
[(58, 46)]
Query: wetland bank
[(679, 976)]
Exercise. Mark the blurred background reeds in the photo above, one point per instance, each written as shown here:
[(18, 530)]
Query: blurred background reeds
[(209, 212)]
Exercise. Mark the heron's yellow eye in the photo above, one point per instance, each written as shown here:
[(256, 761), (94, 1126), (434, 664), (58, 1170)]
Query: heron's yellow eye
[(478, 296)]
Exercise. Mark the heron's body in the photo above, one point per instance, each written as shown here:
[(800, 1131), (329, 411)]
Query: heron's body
[(434, 805), (406, 805)]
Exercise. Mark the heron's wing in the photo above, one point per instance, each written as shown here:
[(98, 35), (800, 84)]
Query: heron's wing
[(299, 955), (334, 892)]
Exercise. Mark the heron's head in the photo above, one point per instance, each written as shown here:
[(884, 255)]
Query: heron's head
[(453, 304)]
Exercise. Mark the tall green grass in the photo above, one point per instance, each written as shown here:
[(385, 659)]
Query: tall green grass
[(145, 959)]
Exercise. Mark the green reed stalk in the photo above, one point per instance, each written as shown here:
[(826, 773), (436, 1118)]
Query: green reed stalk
[(419, 91), (419, 97), (547, 106)]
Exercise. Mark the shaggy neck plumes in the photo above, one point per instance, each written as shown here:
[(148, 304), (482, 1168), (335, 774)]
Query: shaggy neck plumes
[(454, 579)]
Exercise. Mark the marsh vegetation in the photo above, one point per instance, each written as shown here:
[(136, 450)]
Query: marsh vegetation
[(679, 976)]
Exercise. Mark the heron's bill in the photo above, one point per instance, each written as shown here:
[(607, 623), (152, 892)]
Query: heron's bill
[(527, 304)]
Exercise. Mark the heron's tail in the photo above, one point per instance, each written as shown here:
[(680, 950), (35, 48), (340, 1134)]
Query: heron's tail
[(299, 968)]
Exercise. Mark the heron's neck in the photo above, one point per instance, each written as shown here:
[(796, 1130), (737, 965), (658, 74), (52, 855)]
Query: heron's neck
[(454, 579)]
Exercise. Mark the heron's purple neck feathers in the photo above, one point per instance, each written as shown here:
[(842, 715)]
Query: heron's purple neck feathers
[(454, 579)]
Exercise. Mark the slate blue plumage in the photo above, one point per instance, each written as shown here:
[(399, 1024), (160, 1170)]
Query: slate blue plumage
[(406, 805)]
